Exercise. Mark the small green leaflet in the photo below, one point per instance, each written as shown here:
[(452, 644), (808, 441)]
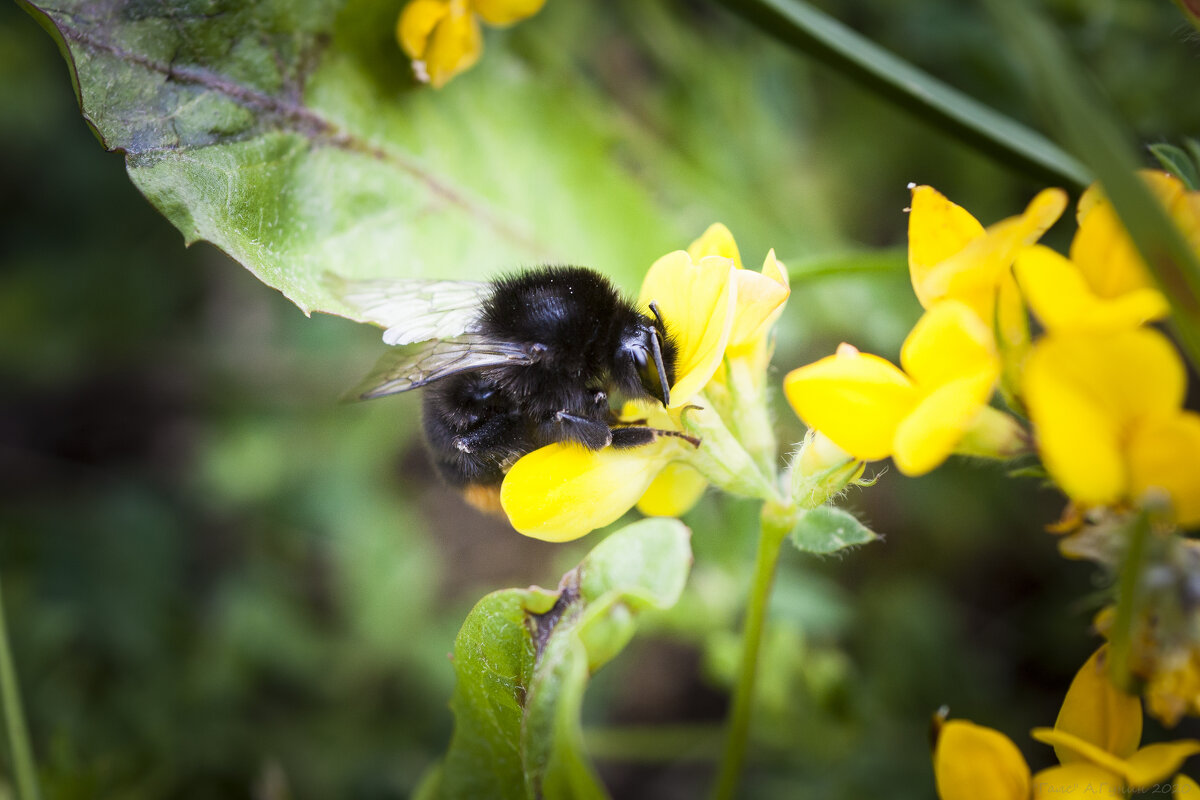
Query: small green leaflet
[(828, 529)]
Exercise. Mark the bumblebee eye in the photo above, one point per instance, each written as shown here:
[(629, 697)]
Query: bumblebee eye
[(640, 357)]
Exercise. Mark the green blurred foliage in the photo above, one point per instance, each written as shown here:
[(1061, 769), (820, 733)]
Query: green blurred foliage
[(223, 583)]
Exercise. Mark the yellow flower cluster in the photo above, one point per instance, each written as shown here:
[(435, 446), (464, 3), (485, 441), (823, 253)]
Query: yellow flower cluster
[(1103, 392), (443, 37), (720, 316), (1096, 739)]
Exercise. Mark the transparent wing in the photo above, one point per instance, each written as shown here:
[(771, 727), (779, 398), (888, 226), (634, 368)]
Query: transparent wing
[(413, 367), (417, 309)]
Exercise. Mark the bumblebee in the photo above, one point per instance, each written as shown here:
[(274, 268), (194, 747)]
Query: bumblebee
[(517, 363)]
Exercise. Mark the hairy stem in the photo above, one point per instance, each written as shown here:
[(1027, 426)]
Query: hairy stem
[(772, 536)]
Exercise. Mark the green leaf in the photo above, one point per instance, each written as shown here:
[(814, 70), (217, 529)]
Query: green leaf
[(1176, 161), (291, 137), (1089, 128), (827, 529), (524, 656), (805, 28)]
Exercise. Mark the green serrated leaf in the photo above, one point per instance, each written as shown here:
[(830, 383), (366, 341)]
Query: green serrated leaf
[(524, 656), (828, 529), (1176, 161)]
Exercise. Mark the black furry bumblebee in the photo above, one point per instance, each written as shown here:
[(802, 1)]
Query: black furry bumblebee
[(517, 363)]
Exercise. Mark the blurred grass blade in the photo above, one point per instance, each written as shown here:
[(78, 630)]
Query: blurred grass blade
[(14, 719), (1073, 106), (805, 28)]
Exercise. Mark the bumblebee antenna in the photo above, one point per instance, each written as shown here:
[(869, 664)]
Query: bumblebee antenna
[(656, 349)]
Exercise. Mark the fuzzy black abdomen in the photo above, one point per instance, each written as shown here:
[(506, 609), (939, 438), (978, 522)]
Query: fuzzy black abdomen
[(474, 430)]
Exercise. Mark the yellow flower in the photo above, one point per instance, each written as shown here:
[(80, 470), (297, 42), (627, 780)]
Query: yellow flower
[(1097, 734), (873, 410), (760, 295), (1105, 286), (698, 300), (1096, 738), (1107, 413), (499, 13), (1102, 248), (971, 762), (1059, 293), (443, 38), (561, 492), (951, 255)]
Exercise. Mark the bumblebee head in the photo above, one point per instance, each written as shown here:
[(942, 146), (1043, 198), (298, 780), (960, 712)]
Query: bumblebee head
[(652, 355)]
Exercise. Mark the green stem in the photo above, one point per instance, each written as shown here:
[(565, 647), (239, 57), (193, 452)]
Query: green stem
[(800, 25), (14, 719), (769, 542), (1128, 594)]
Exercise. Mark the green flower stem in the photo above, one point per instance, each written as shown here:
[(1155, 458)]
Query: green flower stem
[(1128, 591), (14, 719), (805, 28), (774, 530)]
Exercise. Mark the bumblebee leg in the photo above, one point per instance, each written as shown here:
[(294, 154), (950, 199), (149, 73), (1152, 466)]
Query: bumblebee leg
[(638, 436), (591, 433)]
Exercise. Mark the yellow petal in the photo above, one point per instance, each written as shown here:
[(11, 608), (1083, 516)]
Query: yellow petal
[(563, 491), (1155, 763), (416, 23), (1098, 712), (856, 399), (949, 342), (760, 299), (937, 229), (1063, 301), (1085, 394), (716, 241), (1077, 779), (1012, 323), (698, 301), (1152, 764), (1103, 250), (1186, 788), (972, 762), (931, 432), (1164, 455), (453, 47), (975, 273), (673, 493), (1080, 749), (506, 12)]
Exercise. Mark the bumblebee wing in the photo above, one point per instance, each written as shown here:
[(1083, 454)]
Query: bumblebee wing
[(413, 367), (417, 309)]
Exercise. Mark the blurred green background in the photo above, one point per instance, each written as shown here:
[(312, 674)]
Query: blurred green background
[(221, 582)]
